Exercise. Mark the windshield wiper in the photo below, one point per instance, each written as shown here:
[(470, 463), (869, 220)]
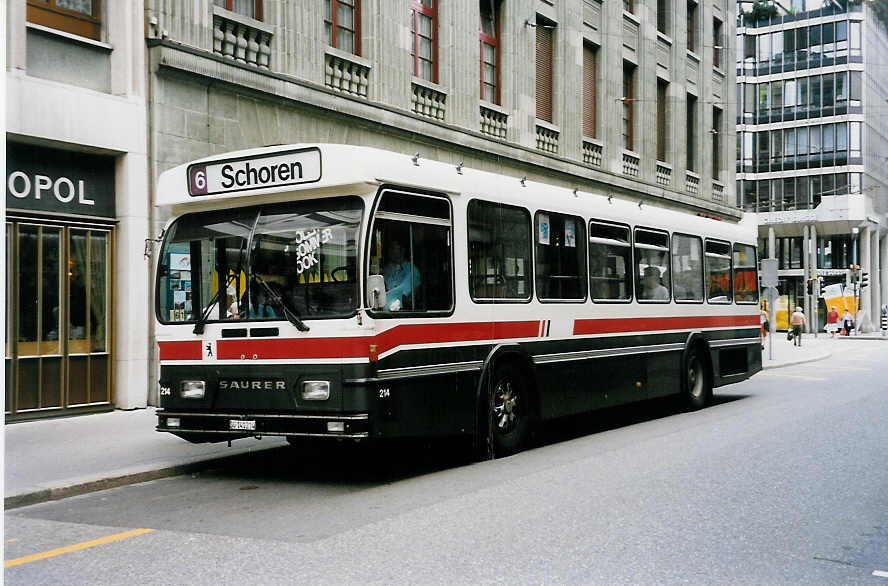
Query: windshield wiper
[(201, 321), (288, 313)]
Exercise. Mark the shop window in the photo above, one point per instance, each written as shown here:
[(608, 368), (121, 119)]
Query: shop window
[(499, 252), (424, 46), (248, 8), (560, 257), (610, 262), (342, 20), (78, 17)]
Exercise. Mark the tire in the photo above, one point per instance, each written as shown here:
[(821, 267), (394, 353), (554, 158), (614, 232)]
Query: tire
[(510, 410), (697, 388)]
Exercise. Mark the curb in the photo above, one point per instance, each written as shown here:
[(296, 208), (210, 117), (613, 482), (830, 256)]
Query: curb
[(823, 356), (53, 493)]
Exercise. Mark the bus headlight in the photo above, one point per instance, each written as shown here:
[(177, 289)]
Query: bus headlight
[(316, 390), (192, 389)]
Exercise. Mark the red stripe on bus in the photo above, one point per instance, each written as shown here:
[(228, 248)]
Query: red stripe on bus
[(359, 347), (651, 324), (189, 350)]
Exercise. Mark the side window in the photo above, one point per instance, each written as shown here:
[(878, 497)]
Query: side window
[(745, 277), (652, 266), (410, 247), (499, 252), (610, 262), (687, 268), (560, 256), (718, 272)]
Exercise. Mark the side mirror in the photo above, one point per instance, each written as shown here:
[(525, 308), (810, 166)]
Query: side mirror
[(376, 292)]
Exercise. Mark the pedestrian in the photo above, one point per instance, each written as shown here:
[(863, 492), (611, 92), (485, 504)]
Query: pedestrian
[(847, 323), (797, 322), (832, 321), (765, 326)]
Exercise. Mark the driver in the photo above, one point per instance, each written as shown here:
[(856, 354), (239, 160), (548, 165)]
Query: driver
[(397, 273)]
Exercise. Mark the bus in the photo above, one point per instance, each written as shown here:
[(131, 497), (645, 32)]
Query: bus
[(337, 291)]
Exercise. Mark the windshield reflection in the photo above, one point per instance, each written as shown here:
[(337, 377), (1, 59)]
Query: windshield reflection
[(284, 261)]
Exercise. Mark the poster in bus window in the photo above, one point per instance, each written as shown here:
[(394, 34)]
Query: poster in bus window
[(570, 234), (180, 262), (544, 229)]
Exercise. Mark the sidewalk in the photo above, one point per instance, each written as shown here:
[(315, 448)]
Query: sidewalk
[(786, 354), (58, 458)]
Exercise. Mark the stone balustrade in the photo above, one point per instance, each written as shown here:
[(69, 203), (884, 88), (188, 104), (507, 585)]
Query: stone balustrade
[(547, 138), (241, 39), (664, 173), (592, 152), (428, 100), (346, 73), (494, 122), (692, 183), (630, 163)]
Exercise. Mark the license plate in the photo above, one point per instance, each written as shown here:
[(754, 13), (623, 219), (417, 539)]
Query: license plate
[(242, 424)]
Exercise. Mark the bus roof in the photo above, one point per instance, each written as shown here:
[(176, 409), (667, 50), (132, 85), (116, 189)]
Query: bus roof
[(278, 172)]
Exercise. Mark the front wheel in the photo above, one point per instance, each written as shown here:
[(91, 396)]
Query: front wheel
[(510, 410), (697, 388)]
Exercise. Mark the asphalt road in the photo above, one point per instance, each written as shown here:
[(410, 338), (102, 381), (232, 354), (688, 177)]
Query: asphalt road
[(782, 481)]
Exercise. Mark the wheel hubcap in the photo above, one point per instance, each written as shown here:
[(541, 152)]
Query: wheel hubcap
[(505, 401)]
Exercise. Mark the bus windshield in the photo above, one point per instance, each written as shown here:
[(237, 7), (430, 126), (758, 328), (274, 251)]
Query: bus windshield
[(292, 261)]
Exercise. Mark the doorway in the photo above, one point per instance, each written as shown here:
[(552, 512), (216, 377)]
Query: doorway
[(58, 316)]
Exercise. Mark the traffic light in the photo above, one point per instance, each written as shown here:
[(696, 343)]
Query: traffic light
[(864, 279), (810, 286)]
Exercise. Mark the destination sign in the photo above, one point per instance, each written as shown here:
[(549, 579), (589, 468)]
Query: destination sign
[(246, 173)]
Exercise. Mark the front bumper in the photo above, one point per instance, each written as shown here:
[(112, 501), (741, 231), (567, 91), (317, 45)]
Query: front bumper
[(355, 425)]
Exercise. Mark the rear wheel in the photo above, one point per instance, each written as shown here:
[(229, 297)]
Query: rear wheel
[(510, 410), (697, 388)]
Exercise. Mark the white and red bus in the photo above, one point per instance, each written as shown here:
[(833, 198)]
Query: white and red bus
[(349, 292)]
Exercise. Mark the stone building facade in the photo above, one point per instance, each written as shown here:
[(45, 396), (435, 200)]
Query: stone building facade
[(77, 207), (631, 97), (812, 146)]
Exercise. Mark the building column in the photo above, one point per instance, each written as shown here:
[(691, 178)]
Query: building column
[(806, 274), (883, 268), (875, 282), (813, 320), (864, 322)]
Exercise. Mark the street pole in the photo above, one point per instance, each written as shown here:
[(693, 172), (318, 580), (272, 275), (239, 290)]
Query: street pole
[(854, 232), (772, 321)]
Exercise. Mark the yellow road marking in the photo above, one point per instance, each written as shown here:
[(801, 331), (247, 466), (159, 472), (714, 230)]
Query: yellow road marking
[(76, 547), (12, 540)]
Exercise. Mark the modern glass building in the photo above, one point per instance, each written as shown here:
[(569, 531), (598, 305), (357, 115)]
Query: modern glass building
[(812, 147)]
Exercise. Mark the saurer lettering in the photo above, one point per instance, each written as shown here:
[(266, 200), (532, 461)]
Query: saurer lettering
[(252, 385), (249, 175)]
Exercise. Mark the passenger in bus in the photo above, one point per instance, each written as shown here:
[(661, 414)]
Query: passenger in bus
[(652, 288), (401, 278), (261, 307)]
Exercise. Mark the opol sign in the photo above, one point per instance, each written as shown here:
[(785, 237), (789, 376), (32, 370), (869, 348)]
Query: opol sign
[(51, 180)]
